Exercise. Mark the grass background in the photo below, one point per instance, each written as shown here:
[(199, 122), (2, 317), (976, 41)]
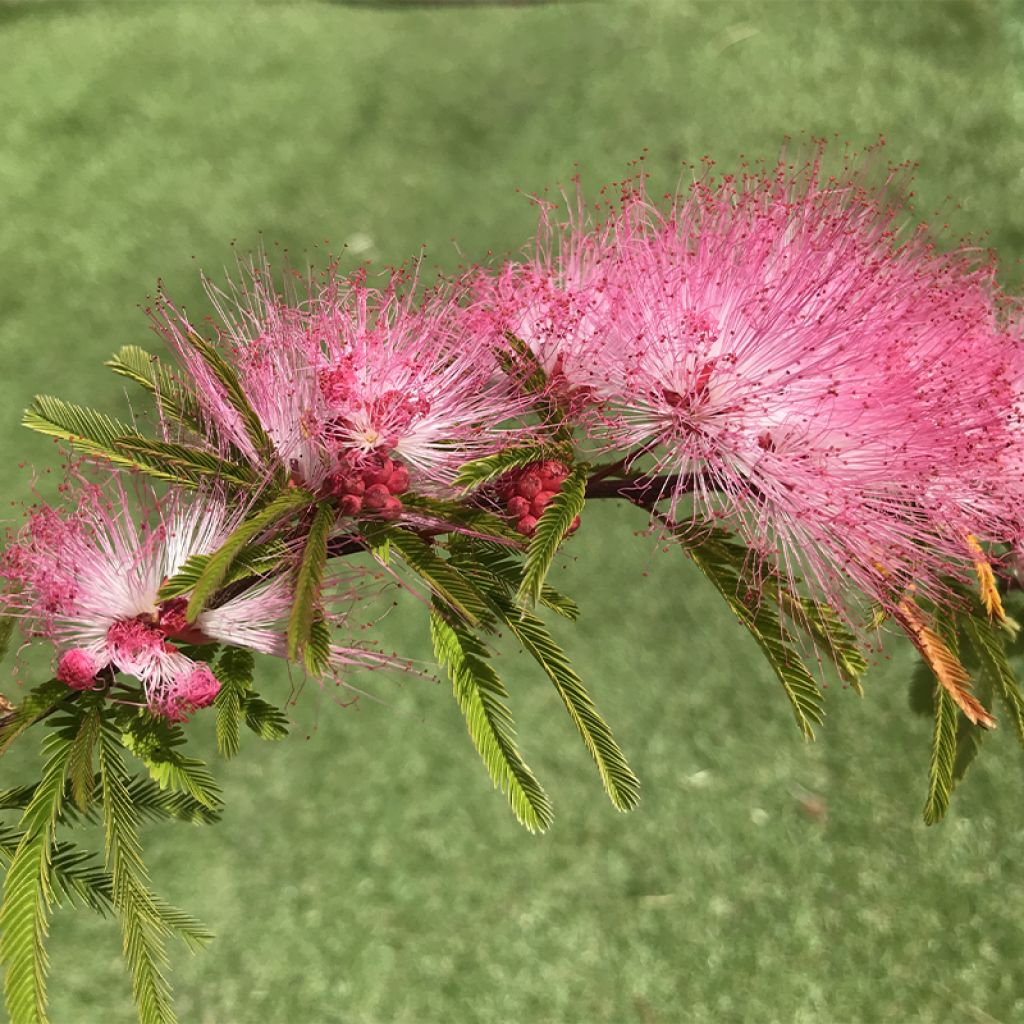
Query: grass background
[(367, 873)]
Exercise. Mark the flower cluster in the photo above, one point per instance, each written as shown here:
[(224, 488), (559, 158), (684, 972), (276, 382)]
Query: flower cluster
[(774, 353)]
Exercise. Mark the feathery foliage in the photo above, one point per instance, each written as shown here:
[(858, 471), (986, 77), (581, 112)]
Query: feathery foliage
[(28, 890), (479, 693), (722, 561), (100, 436), (154, 741), (306, 591), (445, 580), (220, 564), (259, 560), (943, 660), (173, 397), (141, 927), (235, 669), (498, 578), (235, 394), (943, 756), (551, 529), (37, 703)]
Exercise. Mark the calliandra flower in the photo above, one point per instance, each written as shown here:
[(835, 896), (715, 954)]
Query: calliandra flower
[(86, 577), (559, 300), (350, 380), (814, 377)]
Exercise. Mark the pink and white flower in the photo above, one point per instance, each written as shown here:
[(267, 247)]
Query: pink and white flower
[(87, 578), (351, 375), (796, 365)]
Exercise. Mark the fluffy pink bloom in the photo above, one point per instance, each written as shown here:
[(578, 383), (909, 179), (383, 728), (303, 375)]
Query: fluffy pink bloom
[(804, 371), (350, 379), (560, 298), (86, 577)]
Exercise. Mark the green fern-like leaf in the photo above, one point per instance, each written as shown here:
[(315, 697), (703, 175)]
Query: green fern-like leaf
[(155, 741), (220, 563), (155, 803), (7, 624), (722, 564), (987, 641), (552, 527), (141, 931), (308, 580), (445, 581), (36, 704), (480, 471), (479, 693), (621, 785), (943, 758), (182, 464), (174, 398), (235, 670), (87, 430), (502, 564), (267, 721), (28, 889), (258, 561), (80, 770)]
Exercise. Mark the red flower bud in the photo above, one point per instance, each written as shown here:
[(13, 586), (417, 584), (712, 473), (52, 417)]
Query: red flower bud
[(378, 471), (376, 497), (517, 507), (392, 509), (350, 504), (528, 486), (527, 525), (398, 482), (552, 472), (540, 502)]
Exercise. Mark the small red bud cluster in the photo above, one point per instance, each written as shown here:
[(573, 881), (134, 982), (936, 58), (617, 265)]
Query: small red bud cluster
[(525, 493), (370, 488)]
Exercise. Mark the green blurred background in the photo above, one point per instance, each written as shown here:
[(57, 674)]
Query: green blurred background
[(365, 871)]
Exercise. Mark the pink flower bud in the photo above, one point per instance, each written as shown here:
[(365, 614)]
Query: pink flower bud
[(376, 497), (573, 526), (77, 668), (527, 525), (528, 486), (392, 509), (540, 502), (517, 507), (350, 504), (347, 483), (398, 483), (378, 471)]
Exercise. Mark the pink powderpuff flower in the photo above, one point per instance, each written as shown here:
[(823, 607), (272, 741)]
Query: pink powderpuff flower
[(560, 299), (87, 578), (351, 380), (832, 391)]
